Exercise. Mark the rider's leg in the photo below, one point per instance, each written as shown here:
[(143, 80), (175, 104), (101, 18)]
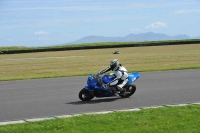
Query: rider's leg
[(120, 86)]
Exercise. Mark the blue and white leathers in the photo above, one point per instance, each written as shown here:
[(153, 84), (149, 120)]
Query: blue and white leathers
[(120, 75)]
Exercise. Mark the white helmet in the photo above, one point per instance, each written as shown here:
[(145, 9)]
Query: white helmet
[(114, 64)]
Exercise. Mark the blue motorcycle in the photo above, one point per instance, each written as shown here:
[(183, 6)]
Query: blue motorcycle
[(95, 88)]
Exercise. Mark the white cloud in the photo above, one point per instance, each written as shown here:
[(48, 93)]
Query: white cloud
[(43, 38), (42, 32), (187, 11), (156, 25)]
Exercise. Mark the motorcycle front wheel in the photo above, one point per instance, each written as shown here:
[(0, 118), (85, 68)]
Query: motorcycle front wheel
[(129, 90), (85, 95)]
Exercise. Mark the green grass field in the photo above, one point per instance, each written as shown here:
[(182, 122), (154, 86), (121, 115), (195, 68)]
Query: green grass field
[(185, 119), (84, 62)]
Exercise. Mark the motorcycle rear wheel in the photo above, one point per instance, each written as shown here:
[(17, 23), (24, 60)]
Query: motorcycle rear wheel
[(85, 95), (129, 90)]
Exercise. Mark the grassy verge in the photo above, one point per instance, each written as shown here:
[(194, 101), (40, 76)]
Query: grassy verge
[(84, 62), (184, 119)]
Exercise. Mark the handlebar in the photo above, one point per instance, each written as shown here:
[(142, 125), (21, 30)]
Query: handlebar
[(96, 76)]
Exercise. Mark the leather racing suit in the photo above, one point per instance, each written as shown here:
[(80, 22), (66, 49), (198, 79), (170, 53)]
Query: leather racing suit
[(121, 77)]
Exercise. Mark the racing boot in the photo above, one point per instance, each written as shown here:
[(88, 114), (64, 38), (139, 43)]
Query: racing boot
[(121, 90)]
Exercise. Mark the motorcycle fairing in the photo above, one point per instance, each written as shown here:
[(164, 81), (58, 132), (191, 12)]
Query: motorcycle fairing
[(132, 77), (91, 81)]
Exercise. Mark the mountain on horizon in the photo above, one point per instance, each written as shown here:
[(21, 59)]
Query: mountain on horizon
[(149, 36)]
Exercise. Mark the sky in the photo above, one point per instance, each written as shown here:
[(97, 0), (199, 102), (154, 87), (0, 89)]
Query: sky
[(34, 23)]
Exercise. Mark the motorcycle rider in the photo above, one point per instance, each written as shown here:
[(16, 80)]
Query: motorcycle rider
[(120, 73)]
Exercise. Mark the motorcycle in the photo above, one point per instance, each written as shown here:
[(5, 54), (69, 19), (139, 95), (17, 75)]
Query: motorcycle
[(95, 87)]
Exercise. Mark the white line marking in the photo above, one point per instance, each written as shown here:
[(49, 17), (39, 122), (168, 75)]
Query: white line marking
[(39, 119), (177, 105), (63, 116), (11, 122), (196, 103), (102, 112), (126, 110), (41, 58), (153, 107)]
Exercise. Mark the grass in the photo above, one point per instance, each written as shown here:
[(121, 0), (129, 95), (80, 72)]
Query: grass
[(185, 119), (84, 62)]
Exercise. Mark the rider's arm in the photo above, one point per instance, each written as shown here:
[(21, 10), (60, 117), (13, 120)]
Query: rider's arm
[(105, 70)]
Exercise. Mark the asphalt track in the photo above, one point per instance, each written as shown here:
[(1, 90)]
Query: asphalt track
[(37, 98)]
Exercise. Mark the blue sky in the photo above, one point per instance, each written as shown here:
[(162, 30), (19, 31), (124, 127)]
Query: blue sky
[(52, 22)]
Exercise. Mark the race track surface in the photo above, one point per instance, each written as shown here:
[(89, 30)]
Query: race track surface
[(59, 96)]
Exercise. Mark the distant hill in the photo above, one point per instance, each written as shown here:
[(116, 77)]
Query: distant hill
[(149, 36)]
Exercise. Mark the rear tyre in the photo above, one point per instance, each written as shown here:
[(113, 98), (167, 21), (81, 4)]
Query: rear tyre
[(85, 95), (129, 90)]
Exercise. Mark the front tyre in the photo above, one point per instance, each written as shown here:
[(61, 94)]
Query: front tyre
[(85, 95), (129, 90)]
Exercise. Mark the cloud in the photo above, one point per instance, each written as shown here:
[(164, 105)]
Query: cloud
[(156, 25), (42, 32), (187, 11), (43, 38), (42, 35)]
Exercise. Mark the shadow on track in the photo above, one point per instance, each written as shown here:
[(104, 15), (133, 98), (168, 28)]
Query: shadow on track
[(94, 101)]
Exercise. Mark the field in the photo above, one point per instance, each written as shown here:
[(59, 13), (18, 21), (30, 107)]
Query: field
[(84, 62)]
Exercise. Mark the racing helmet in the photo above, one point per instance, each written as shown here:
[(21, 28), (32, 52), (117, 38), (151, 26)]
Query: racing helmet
[(114, 64)]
